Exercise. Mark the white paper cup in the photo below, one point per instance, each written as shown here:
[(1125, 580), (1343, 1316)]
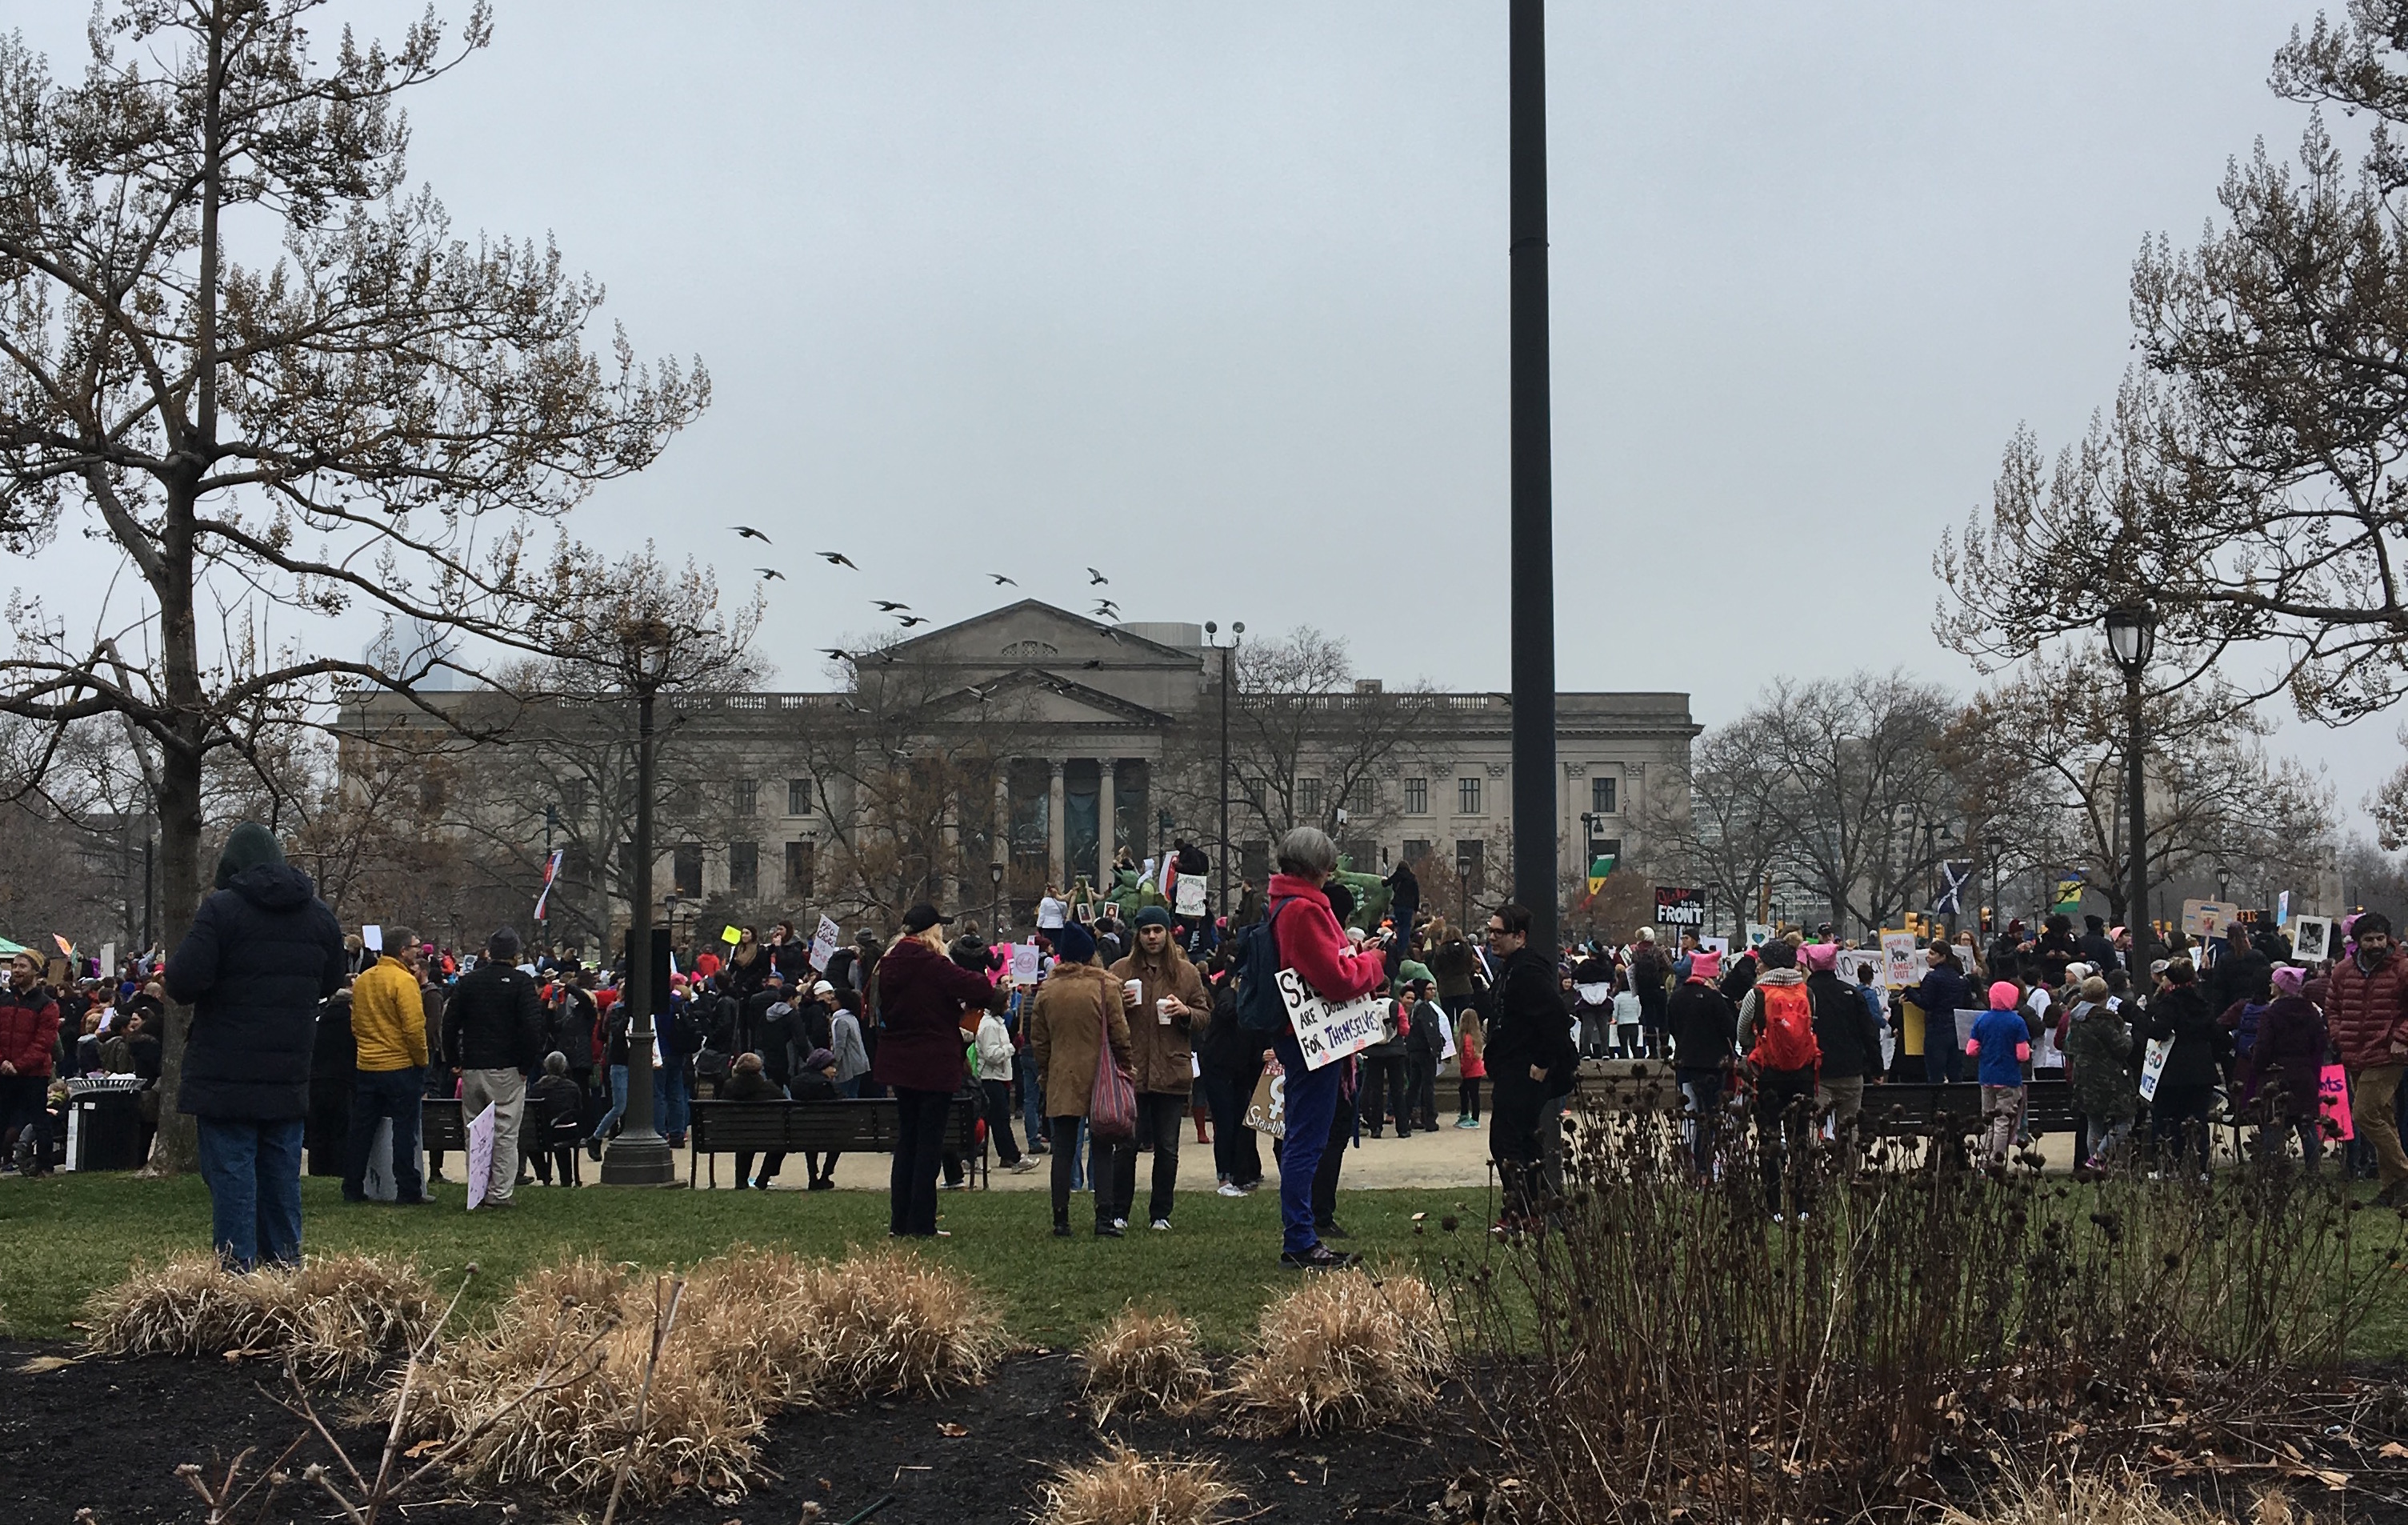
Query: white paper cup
[(1161, 1010), (1134, 992)]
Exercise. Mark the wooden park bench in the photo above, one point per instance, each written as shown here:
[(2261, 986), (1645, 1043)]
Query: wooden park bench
[(865, 1127)]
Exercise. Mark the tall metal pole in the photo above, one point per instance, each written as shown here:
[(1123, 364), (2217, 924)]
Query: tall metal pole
[(639, 1157), (1535, 879), (1224, 775), (2137, 883)]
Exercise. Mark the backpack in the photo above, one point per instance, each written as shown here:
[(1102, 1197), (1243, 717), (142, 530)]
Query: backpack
[(1784, 1034), (1257, 968)]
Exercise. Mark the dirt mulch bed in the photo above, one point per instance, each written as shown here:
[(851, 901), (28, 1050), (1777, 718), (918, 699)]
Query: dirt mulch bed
[(109, 1435)]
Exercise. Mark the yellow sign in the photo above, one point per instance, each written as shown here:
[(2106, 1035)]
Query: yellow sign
[(730, 936)]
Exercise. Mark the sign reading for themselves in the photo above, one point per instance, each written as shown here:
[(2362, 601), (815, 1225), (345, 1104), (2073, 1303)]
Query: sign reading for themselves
[(1679, 907), (1328, 1032)]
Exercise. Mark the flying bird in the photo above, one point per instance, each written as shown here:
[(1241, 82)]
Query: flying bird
[(1106, 607), (907, 621), (1095, 577), (770, 574), (836, 558), (835, 655), (1002, 582), (888, 606), (748, 532)]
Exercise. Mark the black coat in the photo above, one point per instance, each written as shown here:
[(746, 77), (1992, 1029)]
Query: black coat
[(1704, 1025), (1531, 1026), (260, 956), (494, 1020), (1844, 1029), (2202, 1045)]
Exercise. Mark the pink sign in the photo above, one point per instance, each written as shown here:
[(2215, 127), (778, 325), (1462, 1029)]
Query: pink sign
[(2333, 1101)]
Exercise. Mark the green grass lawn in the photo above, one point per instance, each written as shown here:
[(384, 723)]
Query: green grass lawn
[(63, 1238)]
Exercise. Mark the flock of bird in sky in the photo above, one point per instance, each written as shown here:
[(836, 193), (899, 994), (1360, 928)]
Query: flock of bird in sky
[(1105, 609)]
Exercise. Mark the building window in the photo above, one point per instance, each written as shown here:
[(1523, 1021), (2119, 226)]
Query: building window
[(1467, 796), (1307, 798), (572, 797), (744, 869), (802, 857), (688, 870), (1363, 796), (1414, 851), (1417, 796), (1471, 864), (1255, 862), (748, 796), (798, 797), (1601, 793)]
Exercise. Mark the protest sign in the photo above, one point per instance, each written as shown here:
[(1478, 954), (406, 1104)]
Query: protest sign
[(2311, 939), (1677, 906), (1026, 963), (1899, 957), (1267, 1112), (2282, 909), (1188, 899), (372, 938), (1720, 945), (2332, 1101), (1327, 1032), (824, 943), (480, 1155), (1758, 934), (2154, 1065), (730, 936), (2205, 918)]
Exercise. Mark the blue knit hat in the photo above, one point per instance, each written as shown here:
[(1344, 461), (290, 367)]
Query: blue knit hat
[(1072, 944), (1152, 915)]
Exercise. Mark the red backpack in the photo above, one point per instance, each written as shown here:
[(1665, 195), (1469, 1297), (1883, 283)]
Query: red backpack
[(1785, 1032)]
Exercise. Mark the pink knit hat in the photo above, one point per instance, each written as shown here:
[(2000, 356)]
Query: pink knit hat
[(2290, 979), (1705, 964), (2004, 994), (1819, 958)]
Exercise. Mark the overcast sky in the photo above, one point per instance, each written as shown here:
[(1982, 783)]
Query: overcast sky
[(1213, 297)]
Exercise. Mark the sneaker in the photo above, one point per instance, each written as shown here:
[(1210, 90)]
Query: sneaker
[(1108, 1230), (594, 1150), (1022, 1166), (1466, 1122), (1121, 1225), (1319, 1257), (1161, 1226), (1231, 1189), (1331, 1230)]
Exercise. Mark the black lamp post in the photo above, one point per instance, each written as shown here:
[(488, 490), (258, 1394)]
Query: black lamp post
[(994, 899), (2132, 636), (1992, 845), (1463, 887), (639, 1157), (1237, 633)]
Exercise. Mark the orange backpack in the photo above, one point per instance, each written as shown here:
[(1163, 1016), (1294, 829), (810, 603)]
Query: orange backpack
[(1785, 1032)]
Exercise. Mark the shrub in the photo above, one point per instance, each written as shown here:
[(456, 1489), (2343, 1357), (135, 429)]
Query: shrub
[(755, 1332), (333, 1318), (1145, 1361), (1125, 1489), (1345, 1350)]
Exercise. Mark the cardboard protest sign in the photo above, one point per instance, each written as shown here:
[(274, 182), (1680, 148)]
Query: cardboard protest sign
[(1715, 945), (480, 1155), (1900, 958), (1327, 1032), (1026, 964), (1758, 934), (2153, 1066), (2205, 918), (1188, 896), (1679, 906), (730, 936), (1267, 1112), (372, 938), (2332, 1101)]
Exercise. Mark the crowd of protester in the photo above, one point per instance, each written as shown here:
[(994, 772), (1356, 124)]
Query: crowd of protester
[(309, 1045)]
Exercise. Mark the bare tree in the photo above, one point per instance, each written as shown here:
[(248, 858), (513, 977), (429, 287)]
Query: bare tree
[(273, 379), (2042, 759)]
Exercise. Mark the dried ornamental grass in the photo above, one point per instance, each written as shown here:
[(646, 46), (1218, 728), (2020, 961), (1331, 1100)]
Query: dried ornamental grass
[(1125, 1489), (2091, 1499), (756, 1332), (1145, 1361), (334, 1318), (1345, 1350)]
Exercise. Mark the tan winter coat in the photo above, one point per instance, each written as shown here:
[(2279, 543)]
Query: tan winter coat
[(1064, 1024), (1162, 1066)]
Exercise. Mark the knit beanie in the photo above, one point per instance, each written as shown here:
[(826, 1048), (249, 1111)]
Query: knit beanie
[(1820, 957), (1072, 944), (1705, 964), (2290, 979), (2004, 994)]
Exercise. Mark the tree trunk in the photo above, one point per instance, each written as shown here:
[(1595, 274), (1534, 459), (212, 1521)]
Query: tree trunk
[(177, 1147)]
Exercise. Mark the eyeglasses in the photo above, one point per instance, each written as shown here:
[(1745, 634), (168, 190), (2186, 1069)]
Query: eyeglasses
[(1495, 931)]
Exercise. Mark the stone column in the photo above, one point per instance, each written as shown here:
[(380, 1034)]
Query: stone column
[(1054, 850), (1106, 836)]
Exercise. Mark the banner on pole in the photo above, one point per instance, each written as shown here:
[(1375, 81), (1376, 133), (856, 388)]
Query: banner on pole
[(550, 873)]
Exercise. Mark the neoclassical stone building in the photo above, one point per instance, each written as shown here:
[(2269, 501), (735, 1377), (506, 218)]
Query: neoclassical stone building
[(1114, 742)]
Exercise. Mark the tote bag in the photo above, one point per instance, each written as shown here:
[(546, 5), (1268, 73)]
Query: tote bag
[(1111, 1105)]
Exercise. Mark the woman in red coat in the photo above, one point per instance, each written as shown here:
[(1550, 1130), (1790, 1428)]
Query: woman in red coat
[(927, 1012)]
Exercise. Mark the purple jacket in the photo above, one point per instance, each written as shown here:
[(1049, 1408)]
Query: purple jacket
[(2288, 1055)]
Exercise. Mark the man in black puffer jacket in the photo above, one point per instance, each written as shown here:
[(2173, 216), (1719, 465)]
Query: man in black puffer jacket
[(262, 953), (494, 1031)]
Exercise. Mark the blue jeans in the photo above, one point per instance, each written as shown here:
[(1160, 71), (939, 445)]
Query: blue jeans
[(253, 1171), (1312, 1100), (377, 1094), (1032, 1100), (618, 1103), (670, 1098)]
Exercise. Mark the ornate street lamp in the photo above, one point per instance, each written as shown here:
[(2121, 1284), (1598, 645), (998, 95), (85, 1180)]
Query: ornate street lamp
[(2132, 636), (1237, 634), (639, 1157), (994, 899)]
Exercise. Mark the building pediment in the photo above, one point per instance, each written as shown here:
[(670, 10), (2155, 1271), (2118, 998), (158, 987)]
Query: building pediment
[(1034, 634), (1032, 695)]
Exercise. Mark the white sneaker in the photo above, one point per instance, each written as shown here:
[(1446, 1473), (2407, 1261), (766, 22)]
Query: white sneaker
[(1231, 1189), (1121, 1224), (1022, 1166), (1162, 1225)]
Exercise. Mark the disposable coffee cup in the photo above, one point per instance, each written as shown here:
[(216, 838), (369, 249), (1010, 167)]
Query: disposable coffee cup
[(1161, 1010), (1136, 989)]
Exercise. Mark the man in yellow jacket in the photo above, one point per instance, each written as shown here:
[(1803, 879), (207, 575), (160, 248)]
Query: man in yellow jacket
[(389, 1025)]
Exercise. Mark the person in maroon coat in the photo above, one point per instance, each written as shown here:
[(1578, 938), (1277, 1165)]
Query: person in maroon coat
[(2365, 1004), (29, 1036), (927, 1012)]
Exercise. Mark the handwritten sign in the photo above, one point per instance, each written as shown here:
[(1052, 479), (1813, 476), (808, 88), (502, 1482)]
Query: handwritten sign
[(2333, 1101), (1187, 894), (1900, 958), (824, 943), (1680, 906), (2153, 1066), (1026, 964), (480, 1155), (2205, 918), (1327, 1032)]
